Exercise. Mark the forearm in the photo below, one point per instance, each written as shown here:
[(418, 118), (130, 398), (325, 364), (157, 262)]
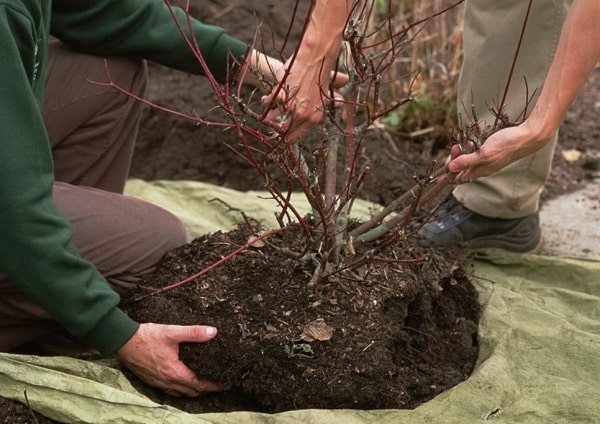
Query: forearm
[(146, 29), (261, 69), (577, 54), (323, 35), (321, 42)]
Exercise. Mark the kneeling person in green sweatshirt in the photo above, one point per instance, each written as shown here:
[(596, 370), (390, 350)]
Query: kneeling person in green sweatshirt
[(69, 238)]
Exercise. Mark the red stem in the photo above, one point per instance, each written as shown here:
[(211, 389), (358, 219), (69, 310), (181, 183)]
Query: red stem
[(219, 262)]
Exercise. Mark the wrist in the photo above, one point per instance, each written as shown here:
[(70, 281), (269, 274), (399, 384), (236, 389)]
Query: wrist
[(537, 129), (110, 334), (263, 68), (529, 137)]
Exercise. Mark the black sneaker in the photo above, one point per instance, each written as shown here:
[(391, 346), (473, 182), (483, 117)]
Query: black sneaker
[(456, 226)]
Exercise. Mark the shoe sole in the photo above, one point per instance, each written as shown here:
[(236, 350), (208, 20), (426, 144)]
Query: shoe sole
[(499, 251)]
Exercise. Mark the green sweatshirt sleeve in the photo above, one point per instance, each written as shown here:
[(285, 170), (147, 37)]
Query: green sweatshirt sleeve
[(36, 252), (146, 29)]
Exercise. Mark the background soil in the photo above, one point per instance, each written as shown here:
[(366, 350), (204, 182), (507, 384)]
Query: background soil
[(170, 148)]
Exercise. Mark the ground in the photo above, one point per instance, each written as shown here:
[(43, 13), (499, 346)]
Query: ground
[(170, 148)]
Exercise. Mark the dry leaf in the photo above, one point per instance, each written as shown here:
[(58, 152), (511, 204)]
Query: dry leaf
[(317, 330), (256, 242), (571, 155)]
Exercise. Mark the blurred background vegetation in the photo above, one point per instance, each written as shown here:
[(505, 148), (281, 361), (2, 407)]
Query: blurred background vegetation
[(427, 67)]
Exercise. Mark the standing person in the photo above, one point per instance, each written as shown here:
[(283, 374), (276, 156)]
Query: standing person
[(497, 207), (66, 230), (498, 210), (574, 61)]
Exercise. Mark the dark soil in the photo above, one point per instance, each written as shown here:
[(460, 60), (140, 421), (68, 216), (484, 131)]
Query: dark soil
[(400, 333), (404, 326)]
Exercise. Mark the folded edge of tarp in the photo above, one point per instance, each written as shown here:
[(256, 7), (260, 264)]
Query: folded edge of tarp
[(206, 208)]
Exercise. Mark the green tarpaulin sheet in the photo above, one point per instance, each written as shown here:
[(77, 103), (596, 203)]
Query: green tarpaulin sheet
[(539, 335)]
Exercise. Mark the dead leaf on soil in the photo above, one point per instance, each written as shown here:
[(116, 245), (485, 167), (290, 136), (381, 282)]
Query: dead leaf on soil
[(571, 155), (317, 330), (256, 241)]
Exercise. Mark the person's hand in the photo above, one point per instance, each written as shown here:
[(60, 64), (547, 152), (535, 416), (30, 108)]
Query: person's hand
[(301, 98), (153, 355), (498, 151)]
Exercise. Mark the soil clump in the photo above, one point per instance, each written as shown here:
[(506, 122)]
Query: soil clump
[(391, 333)]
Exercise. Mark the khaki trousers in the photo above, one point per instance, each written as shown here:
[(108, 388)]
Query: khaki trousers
[(491, 33), (92, 130)]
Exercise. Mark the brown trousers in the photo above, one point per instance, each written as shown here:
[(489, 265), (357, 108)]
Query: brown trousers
[(92, 130)]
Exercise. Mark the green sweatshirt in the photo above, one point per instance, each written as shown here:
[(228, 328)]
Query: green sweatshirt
[(36, 252)]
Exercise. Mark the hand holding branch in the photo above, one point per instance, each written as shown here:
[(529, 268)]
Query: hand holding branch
[(303, 92), (576, 56)]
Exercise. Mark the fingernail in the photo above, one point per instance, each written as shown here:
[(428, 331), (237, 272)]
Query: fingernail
[(211, 331)]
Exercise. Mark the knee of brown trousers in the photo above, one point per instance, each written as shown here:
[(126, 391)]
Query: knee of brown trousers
[(122, 236), (92, 127)]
